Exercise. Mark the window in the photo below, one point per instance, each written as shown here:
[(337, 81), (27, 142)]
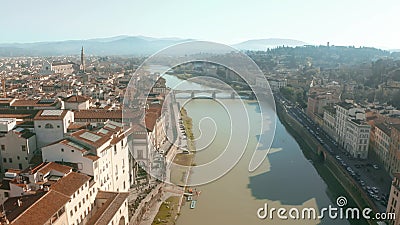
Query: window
[(3, 147), (71, 213), (10, 160), (23, 148), (4, 160), (58, 126), (6, 194), (76, 209), (72, 150), (48, 126), (62, 150), (39, 126), (115, 149)]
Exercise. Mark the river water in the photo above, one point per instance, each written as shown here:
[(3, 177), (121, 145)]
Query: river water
[(287, 178)]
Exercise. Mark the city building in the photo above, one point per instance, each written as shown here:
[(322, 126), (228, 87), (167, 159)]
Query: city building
[(53, 194), (317, 101), (102, 154), (97, 116), (76, 102), (329, 121), (382, 134), (394, 149), (352, 130), (17, 147), (276, 84), (51, 125), (394, 199)]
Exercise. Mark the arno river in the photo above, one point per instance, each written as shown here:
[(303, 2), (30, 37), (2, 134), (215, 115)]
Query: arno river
[(287, 178)]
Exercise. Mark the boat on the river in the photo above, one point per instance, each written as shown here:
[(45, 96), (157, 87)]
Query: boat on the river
[(193, 204)]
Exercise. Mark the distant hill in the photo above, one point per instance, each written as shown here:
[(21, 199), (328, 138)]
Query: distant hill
[(122, 45), (264, 44), (119, 45)]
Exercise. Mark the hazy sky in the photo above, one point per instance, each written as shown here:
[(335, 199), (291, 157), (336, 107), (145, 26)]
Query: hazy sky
[(341, 22)]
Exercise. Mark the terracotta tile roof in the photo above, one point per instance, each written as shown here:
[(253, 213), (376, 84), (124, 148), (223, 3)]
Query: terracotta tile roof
[(13, 210), (6, 100), (49, 166), (40, 116), (74, 126), (117, 139), (20, 113), (98, 114), (92, 157), (32, 103), (150, 120), (76, 98), (17, 116), (34, 169), (69, 184), (43, 209), (96, 143), (108, 210), (22, 102)]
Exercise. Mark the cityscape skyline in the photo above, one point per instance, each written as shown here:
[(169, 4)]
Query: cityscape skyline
[(315, 22)]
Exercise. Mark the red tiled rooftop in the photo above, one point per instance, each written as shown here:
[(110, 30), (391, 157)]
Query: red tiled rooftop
[(32, 103), (103, 137), (107, 211), (69, 184), (43, 209), (49, 166), (76, 98), (40, 116), (98, 114)]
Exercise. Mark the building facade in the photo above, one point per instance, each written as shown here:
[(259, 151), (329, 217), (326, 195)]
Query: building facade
[(394, 200), (352, 131)]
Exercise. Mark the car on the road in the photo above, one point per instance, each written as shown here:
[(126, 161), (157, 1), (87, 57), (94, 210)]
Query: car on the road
[(375, 167)]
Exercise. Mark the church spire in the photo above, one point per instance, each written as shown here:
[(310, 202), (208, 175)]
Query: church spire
[(82, 60)]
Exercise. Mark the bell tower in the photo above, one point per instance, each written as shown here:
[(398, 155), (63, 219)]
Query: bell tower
[(82, 60)]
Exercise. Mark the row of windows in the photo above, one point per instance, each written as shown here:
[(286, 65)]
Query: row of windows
[(23, 148), (10, 160), (48, 126), (62, 150)]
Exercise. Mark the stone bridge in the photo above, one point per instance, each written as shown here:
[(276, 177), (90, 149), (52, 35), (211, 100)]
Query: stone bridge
[(212, 93)]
